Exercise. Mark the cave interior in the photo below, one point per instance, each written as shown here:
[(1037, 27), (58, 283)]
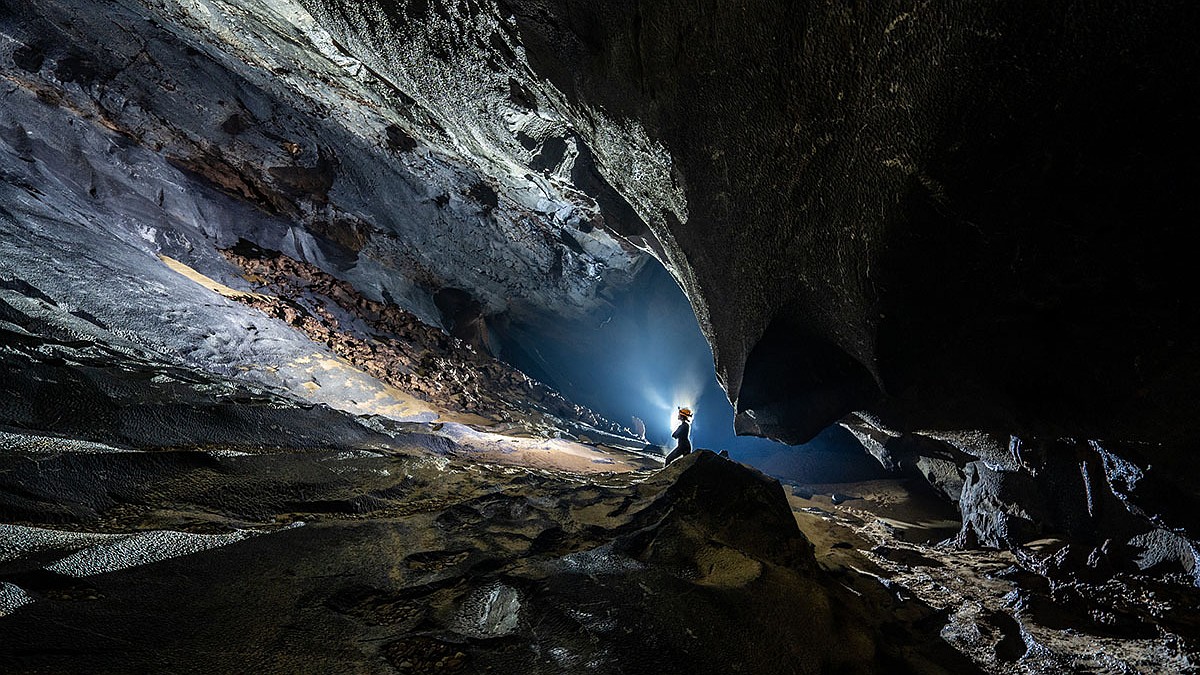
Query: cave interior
[(348, 336)]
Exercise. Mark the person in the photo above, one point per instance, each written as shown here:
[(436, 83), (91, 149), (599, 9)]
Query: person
[(683, 441)]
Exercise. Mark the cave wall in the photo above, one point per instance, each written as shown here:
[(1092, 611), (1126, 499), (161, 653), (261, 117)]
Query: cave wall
[(980, 209), (344, 169), (133, 130), (954, 219)]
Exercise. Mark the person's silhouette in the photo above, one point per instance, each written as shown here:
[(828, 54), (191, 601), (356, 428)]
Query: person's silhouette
[(682, 436)]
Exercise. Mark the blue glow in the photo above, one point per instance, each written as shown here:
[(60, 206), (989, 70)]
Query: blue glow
[(649, 358)]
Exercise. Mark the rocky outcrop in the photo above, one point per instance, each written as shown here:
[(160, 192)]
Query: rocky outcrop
[(346, 169), (311, 561), (144, 142), (1116, 512), (68, 382), (938, 463)]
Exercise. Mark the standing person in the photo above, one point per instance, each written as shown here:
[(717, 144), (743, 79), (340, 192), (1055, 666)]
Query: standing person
[(682, 436)]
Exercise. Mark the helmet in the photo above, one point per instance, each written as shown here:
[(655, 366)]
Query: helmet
[(685, 412)]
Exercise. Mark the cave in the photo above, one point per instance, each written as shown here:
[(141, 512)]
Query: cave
[(350, 336)]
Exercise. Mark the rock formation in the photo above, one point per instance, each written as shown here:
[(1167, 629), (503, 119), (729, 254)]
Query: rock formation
[(398, 564)]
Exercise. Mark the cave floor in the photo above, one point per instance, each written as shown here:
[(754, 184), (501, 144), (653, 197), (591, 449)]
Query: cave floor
[(1005, 618), (400, 560)]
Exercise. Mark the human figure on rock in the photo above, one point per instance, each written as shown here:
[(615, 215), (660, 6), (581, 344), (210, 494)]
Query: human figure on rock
[(682, 436)]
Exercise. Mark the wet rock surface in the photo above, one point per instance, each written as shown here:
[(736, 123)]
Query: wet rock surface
[(401, 562)]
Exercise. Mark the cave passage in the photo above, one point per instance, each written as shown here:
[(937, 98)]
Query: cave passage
[(649, 357), (258, 259)]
